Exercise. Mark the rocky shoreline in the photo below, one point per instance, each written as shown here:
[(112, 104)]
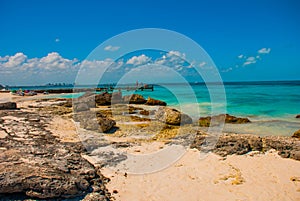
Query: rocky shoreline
[(35, 163)]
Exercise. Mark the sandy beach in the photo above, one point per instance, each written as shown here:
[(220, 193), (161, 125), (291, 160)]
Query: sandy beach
[(247, 177), (251, 176)]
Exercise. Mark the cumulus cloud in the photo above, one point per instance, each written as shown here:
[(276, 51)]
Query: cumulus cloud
[(175, 53), (171, 58), (15, 61), (23, 70), (264, 51), (111, 48), (138, 60), (240, 56)]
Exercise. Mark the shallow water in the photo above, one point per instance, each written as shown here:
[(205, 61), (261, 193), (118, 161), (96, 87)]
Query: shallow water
[(271, 106)]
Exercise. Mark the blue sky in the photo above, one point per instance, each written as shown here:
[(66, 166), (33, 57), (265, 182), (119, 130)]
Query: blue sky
[(69, 30)]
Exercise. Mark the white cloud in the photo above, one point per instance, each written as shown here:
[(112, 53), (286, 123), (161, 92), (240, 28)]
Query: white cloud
[(138, 60), (57, 40), (54, 61), (4, 59), (202, 64), (15, 61), (111, 48), (22, 70), (264, 51), (171, 58), (240, 56), (249, 60), (96, 63), (227, 70), (175, 53)]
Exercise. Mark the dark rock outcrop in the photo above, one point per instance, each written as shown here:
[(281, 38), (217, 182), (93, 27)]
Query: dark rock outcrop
[(94, 121), (231, 144), (103, 99), (287, 147), (36, 164), (151, 101), (8, 106), (227, 144), (296, 134), (226, 118), (298, 116), (172, 116), (79, 107), (134, 99), (144, 112), (92, 99)]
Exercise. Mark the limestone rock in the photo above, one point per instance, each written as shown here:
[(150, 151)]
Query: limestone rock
[(103, 99), (8, 106), (172, 116), (216, 120), (296, 134), (287, 147), (37, 165), (94, 121), (227, 144), (151, 101), (134, 99), (81, 107)]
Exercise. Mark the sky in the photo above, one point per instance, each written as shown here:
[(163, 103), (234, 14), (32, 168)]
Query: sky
[(49, 41)]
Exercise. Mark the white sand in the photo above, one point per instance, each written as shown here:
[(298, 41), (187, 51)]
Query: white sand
[(259, 177)]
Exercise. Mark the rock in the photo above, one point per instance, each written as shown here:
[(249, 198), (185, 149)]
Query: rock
[(287, 147), (41, 166), (94, 121), (231, 144), (68, 103), (298, 116), (151, 101), (116, 97), (95, 197), (296, 134), (103, 99), (88, 99), (144, 112), (227, 144), (172, 116), (8, 106), (81, 107), (134, 99), (206, 121)]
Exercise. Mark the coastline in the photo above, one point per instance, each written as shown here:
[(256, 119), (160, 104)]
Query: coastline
[(230, 176)]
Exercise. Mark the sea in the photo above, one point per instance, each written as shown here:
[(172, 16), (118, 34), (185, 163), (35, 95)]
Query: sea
[(271, 106)]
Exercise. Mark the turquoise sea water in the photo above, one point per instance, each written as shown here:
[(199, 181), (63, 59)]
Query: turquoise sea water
[(271, 106)]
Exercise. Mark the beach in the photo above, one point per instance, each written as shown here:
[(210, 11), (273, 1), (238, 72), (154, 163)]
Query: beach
[(240, 167)]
